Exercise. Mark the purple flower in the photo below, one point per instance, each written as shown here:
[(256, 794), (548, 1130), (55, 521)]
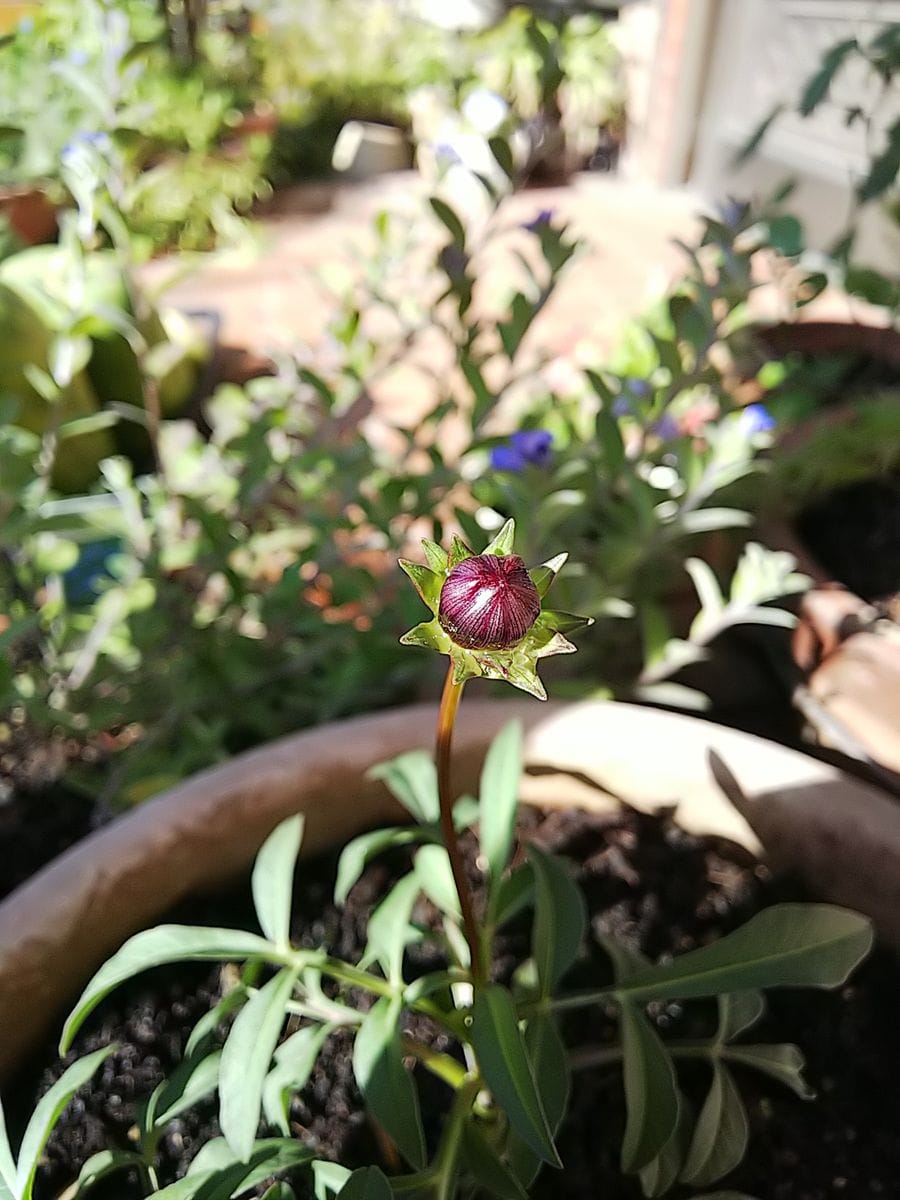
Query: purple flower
[(488, 602), (526, 447), (756, 418), (637, 386), (447, 155), (666, 428), (621, 406), (541, 221)]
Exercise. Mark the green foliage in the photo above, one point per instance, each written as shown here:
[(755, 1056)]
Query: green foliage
[(509, 1083)]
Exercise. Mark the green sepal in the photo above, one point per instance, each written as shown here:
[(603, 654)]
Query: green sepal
[(436, 556), (425, 581), (542, 577), (563, 622), (459, 551), (428, 634), (502, 543)]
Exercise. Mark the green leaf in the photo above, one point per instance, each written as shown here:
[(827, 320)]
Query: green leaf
[(426, 582), (459, 552), (486, 1167), (216, 1174), (165, 944), (626, 961), (503, 541), (738, 1012), (651, 1097), (210, 1021), (272, 881), (483, 398), (817, 87), (786, 235), (504, 1062), (99, 1165), (386, 1085), (191, 1082), (361, 850), (435, 875), (721, 1133), (279, 1191), (498, 800), (516, 892), (328, 1178), (783, 1062), (245, 1061), (560, 918), (706, 520), (753, 142), (294, 1062), (389, 930), (413, 780), (449, 220), (660, 1175), (788, 945), (47, 1113), (513, 331), (503, 156), (550, 1067), (7, 1163), (366, 1183)]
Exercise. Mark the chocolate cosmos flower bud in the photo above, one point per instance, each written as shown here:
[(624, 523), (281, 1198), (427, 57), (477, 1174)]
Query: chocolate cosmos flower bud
[(488, 602)]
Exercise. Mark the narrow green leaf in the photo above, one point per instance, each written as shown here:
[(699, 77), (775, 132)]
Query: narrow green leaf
[(366, 1183), (549, 1061), (788, 945), (216, 1173), (189, 1083), (328, 1178), (413, 780), (651, 1096), (279, 1191), (503, 541), (753, 142), (387, 1087), (515, 893), (459, 551), (626, 960), (738, 1012), (782, 1061), (483, 398), (498, 800), (104, 1163), (7, 1163), (884, 169), (272, 881), (449, 220), (210, 1021), (435, 875), (818, 86), (47, 1113), (660, 1175), (486, 1167), (294, 1062), (389, 928), (503, 156), (560, 918), (721, 1133), (703, 520), (504, 1062), (245, 1061), (165, 944), (358, 853)]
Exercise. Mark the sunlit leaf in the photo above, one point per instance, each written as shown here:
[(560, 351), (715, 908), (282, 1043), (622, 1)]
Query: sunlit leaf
[(386, 1085), (272, 881)]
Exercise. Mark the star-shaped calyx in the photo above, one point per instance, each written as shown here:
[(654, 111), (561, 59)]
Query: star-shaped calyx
[(488, 611)]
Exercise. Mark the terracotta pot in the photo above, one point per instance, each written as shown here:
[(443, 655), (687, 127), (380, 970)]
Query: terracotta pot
[(31, 215), (842, 836)]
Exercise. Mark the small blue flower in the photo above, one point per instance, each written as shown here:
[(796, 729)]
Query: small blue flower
[(667, 427), (527, 447), (78, 58), (637, 386), (26, 25), (756, 418), (447, 155), (621, 407), (541, 221)]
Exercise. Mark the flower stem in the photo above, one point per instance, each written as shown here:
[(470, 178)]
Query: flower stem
[(446, 720)]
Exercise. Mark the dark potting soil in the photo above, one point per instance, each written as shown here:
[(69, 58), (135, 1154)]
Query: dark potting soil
[(648, 885), (36, 827), (854, 532)]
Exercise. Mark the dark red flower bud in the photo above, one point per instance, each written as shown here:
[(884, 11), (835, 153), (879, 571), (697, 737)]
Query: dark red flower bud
[(488, 602)]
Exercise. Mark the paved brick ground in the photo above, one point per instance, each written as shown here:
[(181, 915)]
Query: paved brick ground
[(270, 298)]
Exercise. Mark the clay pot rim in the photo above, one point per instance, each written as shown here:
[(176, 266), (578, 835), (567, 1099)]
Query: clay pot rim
[(57, 928)]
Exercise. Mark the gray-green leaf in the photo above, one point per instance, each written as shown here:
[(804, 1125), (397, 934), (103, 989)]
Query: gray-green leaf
[(366, 1183), (386, 1085), (783, 1062), (165, 944), (245, 1061), (559, 921), (651, 1097), (498, 800), (413, 780), (721, 1133), (504, 1062), (273, 880), (361, 850), (789, 945)]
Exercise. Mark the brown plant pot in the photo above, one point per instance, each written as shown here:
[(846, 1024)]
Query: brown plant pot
[(843, 837), (31, 215)]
